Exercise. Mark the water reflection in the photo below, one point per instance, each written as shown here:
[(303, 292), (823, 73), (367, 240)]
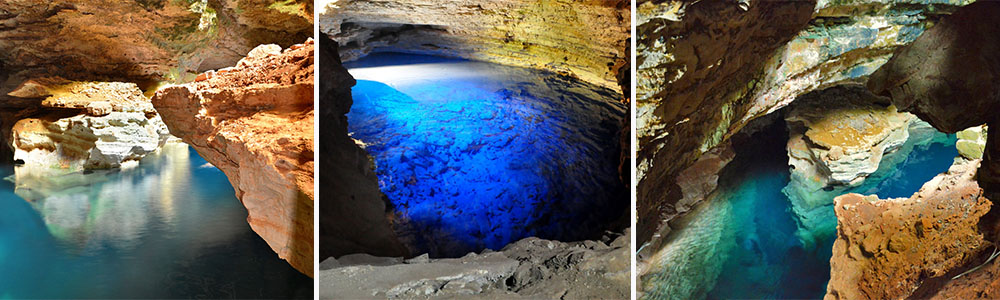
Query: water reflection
[(167, 228)]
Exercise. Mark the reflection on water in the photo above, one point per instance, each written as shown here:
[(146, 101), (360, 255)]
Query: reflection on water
[(168, 228), (475, 155), (741, 243)]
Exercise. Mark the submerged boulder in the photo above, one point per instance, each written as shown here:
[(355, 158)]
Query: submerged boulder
[(86, 125), (254, 121)]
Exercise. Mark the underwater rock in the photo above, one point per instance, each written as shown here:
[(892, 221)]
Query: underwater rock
[(87, 125), (531, 268), (518, 33), (885, 249), (254, 121), (706, 68), (352, 209)]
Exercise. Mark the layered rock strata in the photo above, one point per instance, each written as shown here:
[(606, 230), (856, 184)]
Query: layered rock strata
[(837, 138), (86, 125), (352, 210), (947, 77), (886, 249), (584, 39), (531, 268), (254, 121), (706, 68), (137, 40)]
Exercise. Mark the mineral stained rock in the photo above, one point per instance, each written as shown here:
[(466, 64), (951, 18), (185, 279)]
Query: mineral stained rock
[(886, 249), (87, 125), (531, 268), (584, 39), (947, 77), (254, 121), (352, 209), (148, 39), (706, 68), (837, 137)]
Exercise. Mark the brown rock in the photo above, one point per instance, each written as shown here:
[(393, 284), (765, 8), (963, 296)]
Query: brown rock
[(352, 210), (885, 249), (585, 39), (255, 123)]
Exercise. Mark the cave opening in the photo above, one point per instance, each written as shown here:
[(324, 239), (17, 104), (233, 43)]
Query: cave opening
[(764, 233), (473, 155)]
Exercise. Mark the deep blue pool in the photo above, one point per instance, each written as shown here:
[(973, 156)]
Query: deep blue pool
[(169, 228), (742, 243), (475, 155)]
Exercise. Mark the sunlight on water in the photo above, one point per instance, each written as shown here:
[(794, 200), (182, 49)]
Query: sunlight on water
[(165, 229), (475, 155)]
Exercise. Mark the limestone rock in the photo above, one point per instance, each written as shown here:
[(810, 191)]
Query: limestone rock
[(255, 123), (585, 39), (133, 40), (118, 127), (950, 90), (907, 242), (838, 136), (972, 142), (704, 69), (352, 209), (531, 268)]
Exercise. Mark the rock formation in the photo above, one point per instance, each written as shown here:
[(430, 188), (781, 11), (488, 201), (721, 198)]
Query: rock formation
[(927, 78), (838, 138), (706, 68), (584, 39), (886, 249), (352, 209), (254, 121), (142, 40), (90, 125), (531, 268)]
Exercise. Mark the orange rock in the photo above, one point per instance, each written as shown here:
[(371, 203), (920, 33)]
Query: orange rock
[(255, 123), (880, 254)]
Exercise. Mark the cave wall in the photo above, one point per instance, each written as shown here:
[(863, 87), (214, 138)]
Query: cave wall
[(706, 68), (255, 121), (352, 209), (585, 39), (143, 39)]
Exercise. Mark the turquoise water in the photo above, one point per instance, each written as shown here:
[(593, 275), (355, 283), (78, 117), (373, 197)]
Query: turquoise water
[(169, 228), (474, 155), (743, 241)]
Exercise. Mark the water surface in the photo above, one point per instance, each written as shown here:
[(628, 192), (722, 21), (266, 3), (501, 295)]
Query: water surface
[(169, 228), (475, 155)]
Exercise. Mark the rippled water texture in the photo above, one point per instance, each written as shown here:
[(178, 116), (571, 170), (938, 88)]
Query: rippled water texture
[(474, 155), (170, 228), (742, 242)]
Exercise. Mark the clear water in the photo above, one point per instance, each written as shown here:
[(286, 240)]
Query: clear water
[(475, 155), (742, 242), (169, 228)]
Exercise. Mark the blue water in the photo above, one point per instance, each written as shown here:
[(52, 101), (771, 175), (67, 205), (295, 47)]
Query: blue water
[(169, 228), (770, 261), (474, 155), (742, 242)]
